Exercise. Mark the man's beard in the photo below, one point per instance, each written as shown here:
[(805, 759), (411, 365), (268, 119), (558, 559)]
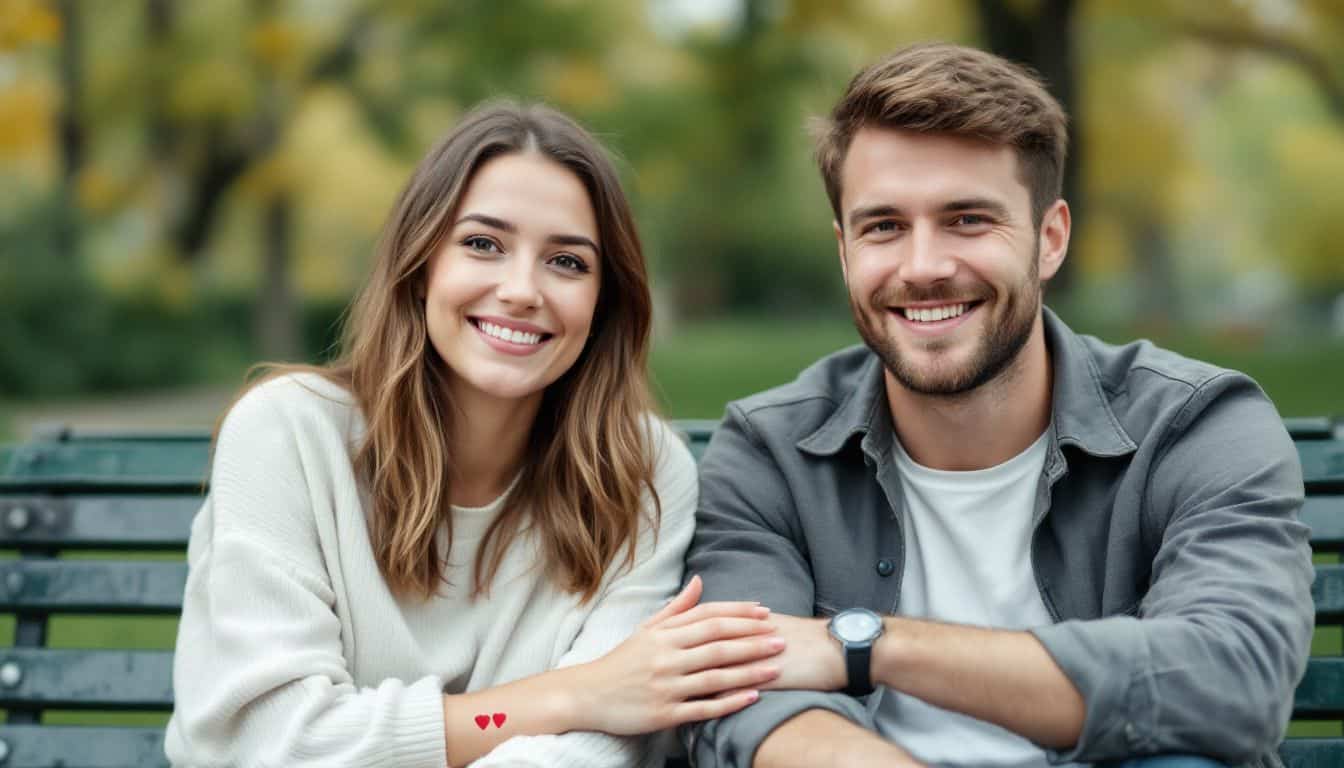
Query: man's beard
[(995, 351)]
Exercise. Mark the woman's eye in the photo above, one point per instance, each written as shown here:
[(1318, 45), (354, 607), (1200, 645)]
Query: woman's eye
[(483, 244), (569, 262)]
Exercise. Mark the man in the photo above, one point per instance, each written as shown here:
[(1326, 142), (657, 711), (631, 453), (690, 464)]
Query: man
[(1030, 546)]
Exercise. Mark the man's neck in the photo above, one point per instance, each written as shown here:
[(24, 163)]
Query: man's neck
[(982, 428)]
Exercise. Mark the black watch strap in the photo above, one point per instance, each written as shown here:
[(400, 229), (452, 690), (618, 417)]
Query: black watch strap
[(858, 665)]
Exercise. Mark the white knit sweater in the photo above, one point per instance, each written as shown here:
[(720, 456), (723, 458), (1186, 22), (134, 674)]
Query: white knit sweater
[(293, 652)]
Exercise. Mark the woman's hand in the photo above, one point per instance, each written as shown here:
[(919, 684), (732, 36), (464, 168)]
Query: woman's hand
[(688, 662)]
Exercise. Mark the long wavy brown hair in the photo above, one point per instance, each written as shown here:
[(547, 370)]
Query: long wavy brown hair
[(589, 457)]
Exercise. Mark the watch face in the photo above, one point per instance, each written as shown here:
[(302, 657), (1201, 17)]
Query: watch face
[(856, 626)]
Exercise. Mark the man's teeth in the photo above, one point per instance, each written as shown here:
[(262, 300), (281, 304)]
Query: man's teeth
[(933, 314), (508, 334)]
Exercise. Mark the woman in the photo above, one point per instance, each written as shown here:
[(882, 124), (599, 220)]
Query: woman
[(446, 547)]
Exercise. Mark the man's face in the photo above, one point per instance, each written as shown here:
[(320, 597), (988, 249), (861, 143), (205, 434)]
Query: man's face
[(940, 255)]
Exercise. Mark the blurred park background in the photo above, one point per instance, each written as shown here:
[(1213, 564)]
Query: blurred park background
[(187, 188)]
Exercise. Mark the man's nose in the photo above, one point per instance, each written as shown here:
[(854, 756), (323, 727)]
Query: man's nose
[(928, 257)]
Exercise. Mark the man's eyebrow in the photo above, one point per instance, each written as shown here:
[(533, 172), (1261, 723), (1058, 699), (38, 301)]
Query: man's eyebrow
[(489, 221), (871, 212), (999, 210)]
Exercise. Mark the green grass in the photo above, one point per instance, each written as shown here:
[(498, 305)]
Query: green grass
[(700, 368), (703, 366)]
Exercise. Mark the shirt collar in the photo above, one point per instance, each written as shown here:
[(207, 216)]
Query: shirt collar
[(1081, 414)]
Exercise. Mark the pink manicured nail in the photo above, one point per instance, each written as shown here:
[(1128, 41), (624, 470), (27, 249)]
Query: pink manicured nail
[(753, 695), (775, 643)]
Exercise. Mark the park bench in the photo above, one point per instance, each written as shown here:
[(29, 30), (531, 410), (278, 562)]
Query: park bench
[(96, 527)]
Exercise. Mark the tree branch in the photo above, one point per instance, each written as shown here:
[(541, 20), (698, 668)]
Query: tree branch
[(1314, 65)]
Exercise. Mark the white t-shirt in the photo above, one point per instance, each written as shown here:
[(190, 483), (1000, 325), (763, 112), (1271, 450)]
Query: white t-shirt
[(292, 651), (967, 561)]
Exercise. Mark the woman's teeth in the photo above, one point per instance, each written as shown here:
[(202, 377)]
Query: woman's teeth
[(508, 334)]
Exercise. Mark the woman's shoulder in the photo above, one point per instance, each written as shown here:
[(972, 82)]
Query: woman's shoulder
[(670, 452), (306, 403)]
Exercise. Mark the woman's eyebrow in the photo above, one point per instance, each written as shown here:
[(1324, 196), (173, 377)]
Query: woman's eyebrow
[(573, 240), (506, 226), (489, 221)]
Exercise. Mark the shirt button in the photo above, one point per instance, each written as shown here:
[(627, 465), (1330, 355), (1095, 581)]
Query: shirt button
[(885, 567)]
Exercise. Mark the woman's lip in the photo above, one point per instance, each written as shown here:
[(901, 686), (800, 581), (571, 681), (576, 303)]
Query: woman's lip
[(509, 347), (512, 325)]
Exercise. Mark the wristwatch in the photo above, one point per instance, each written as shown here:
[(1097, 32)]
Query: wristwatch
[(857, 629)]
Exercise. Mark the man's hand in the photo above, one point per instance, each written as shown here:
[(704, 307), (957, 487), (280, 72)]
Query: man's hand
[(812, 659)]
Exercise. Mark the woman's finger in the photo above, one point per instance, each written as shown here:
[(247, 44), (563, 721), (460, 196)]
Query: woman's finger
[(728, 653), (717, 628), (682, 602), (711, 610), (713, 682), (708, 709)]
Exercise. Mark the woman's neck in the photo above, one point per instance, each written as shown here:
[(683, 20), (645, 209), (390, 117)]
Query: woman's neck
[(487, 444)]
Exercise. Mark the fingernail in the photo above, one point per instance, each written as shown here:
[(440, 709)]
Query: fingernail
[(752, 696), (776, 643), (760, 611)]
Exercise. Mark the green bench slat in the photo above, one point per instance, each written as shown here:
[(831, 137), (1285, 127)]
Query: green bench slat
[(97, 522), (70, 746), (1310, 427), (106, 463), (1312, 753), (1327, 591), (1325, 515), (80, 679), (92, 586), (1320, 695), (1322, 464)]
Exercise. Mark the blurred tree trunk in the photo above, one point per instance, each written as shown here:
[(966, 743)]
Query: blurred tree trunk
[(275, 321), (1159, 295), (277, 318), (70, 131), (1045, 41)]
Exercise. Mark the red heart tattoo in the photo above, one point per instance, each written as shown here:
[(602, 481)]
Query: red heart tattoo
[(500, 717), (482, 721)]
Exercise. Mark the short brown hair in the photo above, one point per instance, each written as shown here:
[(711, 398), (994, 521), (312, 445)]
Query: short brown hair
[(942, 88)]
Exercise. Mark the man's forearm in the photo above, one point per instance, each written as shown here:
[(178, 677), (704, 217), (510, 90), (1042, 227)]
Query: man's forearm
[(821, 737), (1001, 676)]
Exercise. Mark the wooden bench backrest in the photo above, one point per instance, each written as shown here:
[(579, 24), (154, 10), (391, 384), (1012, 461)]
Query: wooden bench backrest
[(97, 526)]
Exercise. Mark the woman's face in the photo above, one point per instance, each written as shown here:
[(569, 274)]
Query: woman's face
[(511, 293)]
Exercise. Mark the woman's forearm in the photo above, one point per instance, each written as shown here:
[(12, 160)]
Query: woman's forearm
[(547, 703)]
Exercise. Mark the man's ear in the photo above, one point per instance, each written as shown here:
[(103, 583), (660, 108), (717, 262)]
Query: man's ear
[(840, 248), (1053, 245)]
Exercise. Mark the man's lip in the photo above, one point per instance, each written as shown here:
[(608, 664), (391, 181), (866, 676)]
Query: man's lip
[(931, 304), (513, 325)]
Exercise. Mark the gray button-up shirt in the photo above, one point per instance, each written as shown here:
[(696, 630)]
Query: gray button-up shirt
[(1166, 543)]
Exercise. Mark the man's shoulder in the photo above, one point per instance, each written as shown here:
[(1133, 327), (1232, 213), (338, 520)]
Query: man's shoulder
[(804, 404), (1151, 389)]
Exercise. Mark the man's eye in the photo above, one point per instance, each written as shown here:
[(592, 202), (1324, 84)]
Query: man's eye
[(483, 244), (884, 227), (569, 263), (970, 220)]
